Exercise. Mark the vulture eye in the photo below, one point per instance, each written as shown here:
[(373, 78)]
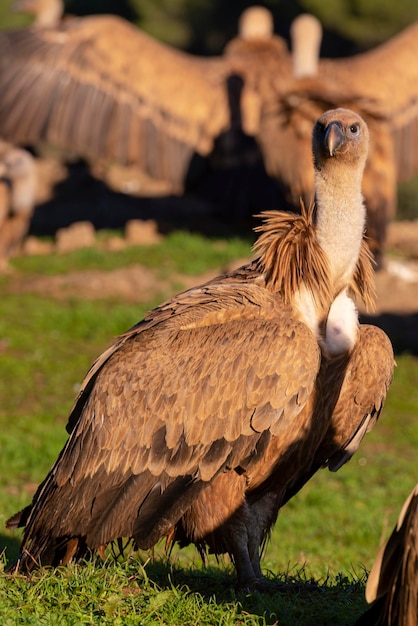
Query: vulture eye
[(354, 129)]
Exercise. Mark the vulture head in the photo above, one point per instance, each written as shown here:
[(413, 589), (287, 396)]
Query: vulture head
[(342, 136)]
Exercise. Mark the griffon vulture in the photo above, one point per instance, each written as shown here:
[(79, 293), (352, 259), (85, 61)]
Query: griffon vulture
[(381, 85), (392, 586), (204, 418), (18, 185)]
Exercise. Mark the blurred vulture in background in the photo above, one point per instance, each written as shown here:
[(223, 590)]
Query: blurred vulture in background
[(392, 586), (199, 422), (100, 87), (381, 85), (103, 89), (18, 186)]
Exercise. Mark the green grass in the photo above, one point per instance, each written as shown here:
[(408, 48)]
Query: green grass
[(407, 200), (329, 533), (188, 253)]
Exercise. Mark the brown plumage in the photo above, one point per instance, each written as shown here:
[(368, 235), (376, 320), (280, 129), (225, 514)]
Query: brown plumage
[(381, 85), (210, 413), (392, 586), (102, 88), (18, 185)]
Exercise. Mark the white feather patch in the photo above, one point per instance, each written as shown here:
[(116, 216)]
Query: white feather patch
[(342, 325)]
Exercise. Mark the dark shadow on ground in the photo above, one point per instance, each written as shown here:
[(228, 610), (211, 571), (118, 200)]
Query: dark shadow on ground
[(402, 329), (9, 546), (281, 606), (218, 202)]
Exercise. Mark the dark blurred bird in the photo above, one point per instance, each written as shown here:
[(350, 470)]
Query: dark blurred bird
[(392, 586), (201, 420), (381, 85), (18, 186)]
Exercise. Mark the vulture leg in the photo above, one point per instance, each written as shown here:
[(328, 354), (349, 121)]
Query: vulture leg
[(218, 520), (249, 576)]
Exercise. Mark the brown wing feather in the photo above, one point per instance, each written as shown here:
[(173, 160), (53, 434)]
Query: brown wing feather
[(393, 580), (350, 393), (168, 408), (363, 393), (385, 75), (347, 400), (101, 87)]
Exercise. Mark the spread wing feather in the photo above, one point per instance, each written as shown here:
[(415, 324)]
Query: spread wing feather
[(102, 88)]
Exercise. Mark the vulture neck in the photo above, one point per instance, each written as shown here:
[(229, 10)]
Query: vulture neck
[(49, 14), (340, 219), (306, 38)]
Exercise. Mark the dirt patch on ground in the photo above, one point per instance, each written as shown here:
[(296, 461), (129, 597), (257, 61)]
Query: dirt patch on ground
[(131, 284), (397, 281), (397, 289)]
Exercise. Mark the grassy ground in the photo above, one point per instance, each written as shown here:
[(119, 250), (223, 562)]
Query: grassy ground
[(329, 533)]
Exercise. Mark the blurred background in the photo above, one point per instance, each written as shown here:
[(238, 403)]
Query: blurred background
[(68, 192), (205, 26)]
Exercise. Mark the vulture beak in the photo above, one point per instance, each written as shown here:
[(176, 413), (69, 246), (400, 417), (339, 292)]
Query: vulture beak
[(334, 137)]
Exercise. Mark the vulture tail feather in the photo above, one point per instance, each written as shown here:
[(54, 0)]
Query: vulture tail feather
[(162, 509)]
